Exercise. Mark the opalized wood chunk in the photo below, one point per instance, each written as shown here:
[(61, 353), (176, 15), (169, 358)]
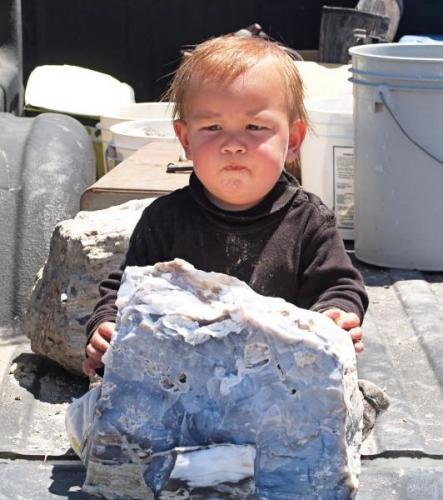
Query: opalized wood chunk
[(199, 359)]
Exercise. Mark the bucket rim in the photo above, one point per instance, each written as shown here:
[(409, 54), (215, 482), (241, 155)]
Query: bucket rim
[(132, 129), (116, 112), (312, 109), (136, 124), (370, 51), (321, 113)]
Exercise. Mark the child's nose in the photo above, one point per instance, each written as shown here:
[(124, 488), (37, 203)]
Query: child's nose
[(233, 145)]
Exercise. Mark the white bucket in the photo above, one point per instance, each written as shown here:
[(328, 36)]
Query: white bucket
[(131, 112), (327, 158), (75, 90), (398, 91), (82, 93), (130, 136), (324, 79)]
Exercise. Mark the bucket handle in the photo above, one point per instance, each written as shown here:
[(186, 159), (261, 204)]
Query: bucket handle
[(381, 92)]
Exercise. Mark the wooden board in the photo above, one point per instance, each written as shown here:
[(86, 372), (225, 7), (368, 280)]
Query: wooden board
[(142, 175)]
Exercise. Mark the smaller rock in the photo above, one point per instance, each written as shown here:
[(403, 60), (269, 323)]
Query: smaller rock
[(375, 401), (83, 251)]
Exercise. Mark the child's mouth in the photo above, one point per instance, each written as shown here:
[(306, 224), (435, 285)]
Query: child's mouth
[(234, 168)]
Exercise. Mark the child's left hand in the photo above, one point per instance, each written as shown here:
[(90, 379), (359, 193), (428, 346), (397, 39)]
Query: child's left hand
[(349, 322)]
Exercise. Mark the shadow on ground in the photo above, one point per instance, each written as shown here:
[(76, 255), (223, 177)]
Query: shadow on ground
[(48, 381)]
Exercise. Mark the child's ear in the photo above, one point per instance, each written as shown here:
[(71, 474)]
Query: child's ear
[(181, 131), (297, 133)]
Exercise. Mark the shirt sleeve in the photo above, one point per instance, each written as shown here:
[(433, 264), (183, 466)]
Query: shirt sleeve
[(105, 308), (327, 276)]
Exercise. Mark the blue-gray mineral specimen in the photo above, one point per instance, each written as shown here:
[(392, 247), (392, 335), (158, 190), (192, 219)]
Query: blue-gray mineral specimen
[(213, 391)]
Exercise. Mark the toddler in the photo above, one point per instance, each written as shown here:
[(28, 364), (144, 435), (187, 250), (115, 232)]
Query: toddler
[(239, 116)]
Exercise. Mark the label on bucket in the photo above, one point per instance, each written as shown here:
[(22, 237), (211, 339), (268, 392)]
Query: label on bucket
[(344, 187)]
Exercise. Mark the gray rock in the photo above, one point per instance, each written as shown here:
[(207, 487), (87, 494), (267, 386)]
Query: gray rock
[(199, 359), (83, 251), (375, 401)]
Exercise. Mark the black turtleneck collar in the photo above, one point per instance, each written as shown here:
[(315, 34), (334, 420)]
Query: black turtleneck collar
[(278, 198)]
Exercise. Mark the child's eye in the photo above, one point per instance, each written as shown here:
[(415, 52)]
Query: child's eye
[(252, 126), (212, 128)]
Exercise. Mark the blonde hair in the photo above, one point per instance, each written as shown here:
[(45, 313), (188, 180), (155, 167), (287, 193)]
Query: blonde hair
[(224, 58)]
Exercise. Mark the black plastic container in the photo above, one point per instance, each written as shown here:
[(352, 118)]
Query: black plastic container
[(343, 28)]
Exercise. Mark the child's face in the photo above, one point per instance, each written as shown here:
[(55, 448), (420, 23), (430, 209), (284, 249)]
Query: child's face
[(239, 136)]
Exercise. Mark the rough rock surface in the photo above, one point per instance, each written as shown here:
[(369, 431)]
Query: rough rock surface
[(200, 360), (83, 251)]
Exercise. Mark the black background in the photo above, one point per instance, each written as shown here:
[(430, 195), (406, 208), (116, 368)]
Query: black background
[(138, 41)]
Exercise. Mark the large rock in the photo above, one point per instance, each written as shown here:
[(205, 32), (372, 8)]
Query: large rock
[(83, 251), (214, 391)]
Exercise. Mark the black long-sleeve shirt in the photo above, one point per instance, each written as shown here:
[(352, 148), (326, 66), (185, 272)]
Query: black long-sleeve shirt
[(286, 246)]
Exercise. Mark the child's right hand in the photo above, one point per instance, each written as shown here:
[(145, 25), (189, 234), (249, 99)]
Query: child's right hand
[(97, 346), (349, 322)]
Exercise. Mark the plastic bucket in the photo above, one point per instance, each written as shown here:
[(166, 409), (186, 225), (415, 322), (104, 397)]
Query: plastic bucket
[(327, 157), (79, 92), (130, 136), (324, 80), (131, 112), (398, 103), (432, 39)]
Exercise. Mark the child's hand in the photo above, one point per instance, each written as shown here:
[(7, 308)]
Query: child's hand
[(97, 346), (349, 322)]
